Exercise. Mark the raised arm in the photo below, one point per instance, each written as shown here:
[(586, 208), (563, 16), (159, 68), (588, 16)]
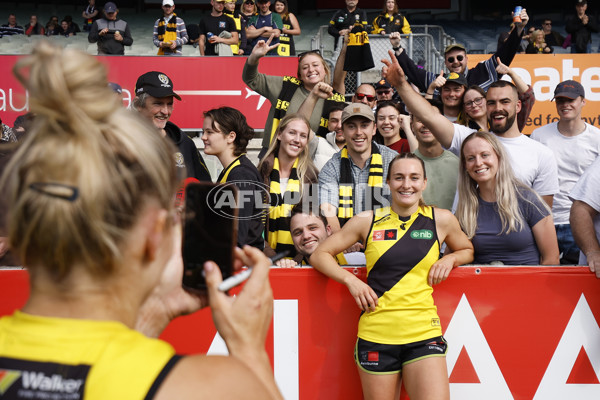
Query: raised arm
[(421, 78), (323, 259), (321, 90), (440, 126), (339, 75)]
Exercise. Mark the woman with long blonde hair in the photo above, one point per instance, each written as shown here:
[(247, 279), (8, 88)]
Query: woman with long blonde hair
[(289, 172), (507, 221), (91, 193)]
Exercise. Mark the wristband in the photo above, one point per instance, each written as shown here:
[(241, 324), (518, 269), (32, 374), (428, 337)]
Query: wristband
[(396, 48)]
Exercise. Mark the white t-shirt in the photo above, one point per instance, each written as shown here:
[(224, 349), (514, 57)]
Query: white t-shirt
[(587, 189), (533, 163), (574, 154)]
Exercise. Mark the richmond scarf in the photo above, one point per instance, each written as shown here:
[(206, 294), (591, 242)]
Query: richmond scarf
[(347, 187)]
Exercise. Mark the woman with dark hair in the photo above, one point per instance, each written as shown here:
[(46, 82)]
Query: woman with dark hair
[(226, 135), (390, 20), (475, 108), (399, 320), (291, 28), (389, 122)]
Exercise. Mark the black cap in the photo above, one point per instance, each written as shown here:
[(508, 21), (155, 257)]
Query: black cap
[(110, 7), (457, 78), (569, 89), (578, 2), (382, 84), (156, 84)]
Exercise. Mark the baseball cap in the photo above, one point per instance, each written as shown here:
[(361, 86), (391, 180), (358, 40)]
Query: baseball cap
[(168, 3), (110, 7), (382, 84), (457, 78), (582, 2), (454, 46), (570, 89), (358, 110), (115, 87), (156, 84)]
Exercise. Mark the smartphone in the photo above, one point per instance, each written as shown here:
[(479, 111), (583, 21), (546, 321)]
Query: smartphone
[(209, 231)]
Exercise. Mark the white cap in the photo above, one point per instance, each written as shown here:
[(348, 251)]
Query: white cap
[(168, 3)]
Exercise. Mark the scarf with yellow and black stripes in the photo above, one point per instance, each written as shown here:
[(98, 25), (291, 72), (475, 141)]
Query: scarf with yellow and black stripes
[(280, 210), (347, 185), (289, 87), (167, 32)]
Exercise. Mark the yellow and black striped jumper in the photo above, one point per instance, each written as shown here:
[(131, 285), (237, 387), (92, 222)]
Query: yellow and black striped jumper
[(400, 252)]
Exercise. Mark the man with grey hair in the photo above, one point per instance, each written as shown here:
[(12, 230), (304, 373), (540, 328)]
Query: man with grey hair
[(154, 97)]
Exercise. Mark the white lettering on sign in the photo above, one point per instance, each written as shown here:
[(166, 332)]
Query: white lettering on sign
[(464, 331), (582, 331), (11, 101), (285, 348), (548, 78)]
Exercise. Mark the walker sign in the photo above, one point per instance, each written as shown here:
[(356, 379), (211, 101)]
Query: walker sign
[(522, 333)]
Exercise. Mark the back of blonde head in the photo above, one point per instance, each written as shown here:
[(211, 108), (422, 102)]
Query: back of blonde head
[(82, 138)]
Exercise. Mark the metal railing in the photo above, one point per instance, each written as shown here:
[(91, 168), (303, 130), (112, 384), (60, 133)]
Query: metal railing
[(425, 46)]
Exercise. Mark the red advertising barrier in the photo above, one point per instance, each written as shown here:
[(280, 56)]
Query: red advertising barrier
[(209, 82), (202, 82), (517, 333)]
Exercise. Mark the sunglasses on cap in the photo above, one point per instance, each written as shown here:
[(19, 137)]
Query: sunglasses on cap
[(305, 53), (361, 96), (459, 58)]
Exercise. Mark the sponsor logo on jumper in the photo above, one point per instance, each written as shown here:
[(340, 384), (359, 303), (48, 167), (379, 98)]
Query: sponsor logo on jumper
[(387, 234), (372, 356), (421, 234), (7, 378), (55, 383)]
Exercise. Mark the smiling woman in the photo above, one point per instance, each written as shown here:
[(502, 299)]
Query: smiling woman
[(292, 91), (289, 172), (399, 333), (506, 220)]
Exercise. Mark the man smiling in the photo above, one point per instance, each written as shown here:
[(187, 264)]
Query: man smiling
[(352, 181), (532, 162), (456, 59), (154, 101), (575, 144)]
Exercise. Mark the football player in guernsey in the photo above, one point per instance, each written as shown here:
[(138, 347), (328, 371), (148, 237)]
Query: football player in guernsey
[(399, 332)]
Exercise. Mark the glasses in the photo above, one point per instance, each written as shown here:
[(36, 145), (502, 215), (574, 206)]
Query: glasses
[(384, 91), (459, 58), (475, 102), (361, 96)]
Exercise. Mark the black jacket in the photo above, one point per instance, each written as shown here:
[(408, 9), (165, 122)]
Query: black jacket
[(188, 156)]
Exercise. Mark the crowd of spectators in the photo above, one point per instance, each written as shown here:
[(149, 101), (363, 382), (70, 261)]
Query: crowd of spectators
[(349, 143)]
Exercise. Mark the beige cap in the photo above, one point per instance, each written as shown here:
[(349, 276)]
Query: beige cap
[(358, 110)]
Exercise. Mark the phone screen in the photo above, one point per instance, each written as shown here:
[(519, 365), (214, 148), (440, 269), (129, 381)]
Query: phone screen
[(209, 231)]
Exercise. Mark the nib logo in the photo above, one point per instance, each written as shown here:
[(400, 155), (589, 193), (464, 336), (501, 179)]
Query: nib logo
[(7, 378)]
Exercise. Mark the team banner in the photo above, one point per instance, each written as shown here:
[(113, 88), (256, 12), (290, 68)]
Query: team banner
[(210, 82), (522, 333)]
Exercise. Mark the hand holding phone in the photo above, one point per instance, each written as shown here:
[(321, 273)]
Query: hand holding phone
[(209, 231)]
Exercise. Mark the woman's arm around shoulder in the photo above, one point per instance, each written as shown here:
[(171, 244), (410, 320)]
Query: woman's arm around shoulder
[(356, 229), (544, 234), (449, 231)]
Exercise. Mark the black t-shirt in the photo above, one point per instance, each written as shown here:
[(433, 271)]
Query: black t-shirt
[(215, 25)]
